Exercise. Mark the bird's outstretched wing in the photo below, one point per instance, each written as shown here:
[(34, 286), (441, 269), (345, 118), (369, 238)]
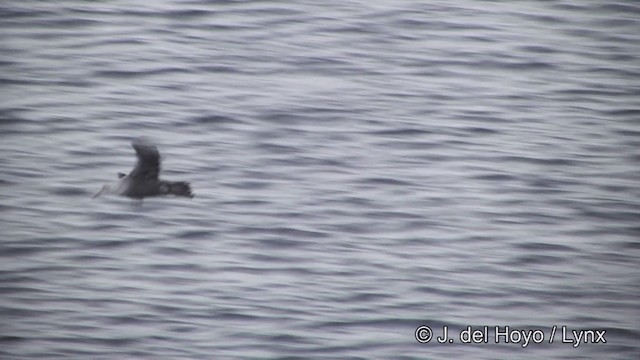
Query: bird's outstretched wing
[(148, 166)]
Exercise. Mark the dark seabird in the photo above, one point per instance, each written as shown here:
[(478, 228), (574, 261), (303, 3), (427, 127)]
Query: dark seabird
[(143, 180)]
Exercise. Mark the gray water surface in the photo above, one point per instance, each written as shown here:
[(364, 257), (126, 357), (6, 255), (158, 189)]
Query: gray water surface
[(361, 168)]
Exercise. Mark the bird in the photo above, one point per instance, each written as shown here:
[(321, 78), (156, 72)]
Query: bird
[(143, 180)]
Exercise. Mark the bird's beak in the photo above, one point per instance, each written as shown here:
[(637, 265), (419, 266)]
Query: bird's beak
[(99, 192)]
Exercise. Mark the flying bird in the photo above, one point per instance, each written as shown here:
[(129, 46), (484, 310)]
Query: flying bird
[(143, 180)]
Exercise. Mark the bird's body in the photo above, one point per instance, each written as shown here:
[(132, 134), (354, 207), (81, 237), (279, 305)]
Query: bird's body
[(143, 180)]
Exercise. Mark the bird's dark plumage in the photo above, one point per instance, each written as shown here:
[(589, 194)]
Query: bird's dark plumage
[(143, 181), (148, 166)]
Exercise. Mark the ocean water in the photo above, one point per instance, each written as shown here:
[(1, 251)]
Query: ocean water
[(361, 169)]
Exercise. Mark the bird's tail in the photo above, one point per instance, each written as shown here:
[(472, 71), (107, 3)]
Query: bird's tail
[(178, 188)]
